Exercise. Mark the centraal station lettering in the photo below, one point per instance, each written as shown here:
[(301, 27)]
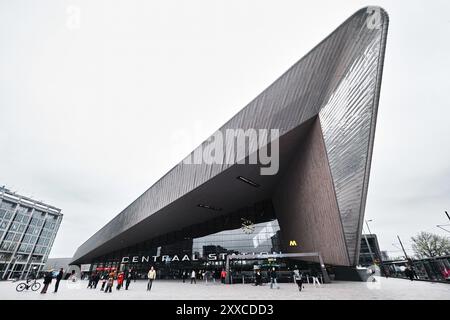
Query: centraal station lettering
[(186, 257)]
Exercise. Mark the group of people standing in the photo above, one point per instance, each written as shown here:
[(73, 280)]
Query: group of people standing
[(297, 275), (120, 277), (48, 277), (203, 275), (109, 278)]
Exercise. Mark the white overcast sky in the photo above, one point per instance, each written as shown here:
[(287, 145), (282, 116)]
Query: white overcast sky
[(91, 115)]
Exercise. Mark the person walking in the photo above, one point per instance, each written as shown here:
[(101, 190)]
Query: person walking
[(273, 278), (104, 279), (258, 278), (58, 279), (193, 277), (151, 277), (223, 276), (110, 283), (206, 275), (315, 278), (129, 276), (298, 278), (184, 276), (120, 280), (91, 281), (96, 279), (73, 276), (47, 280)]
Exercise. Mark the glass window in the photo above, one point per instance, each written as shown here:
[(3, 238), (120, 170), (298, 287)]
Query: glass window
[(7, 205), (5, 245), (39, 250), (3, 225), (23, 210), (8, 215), (15, 226), (25, 219), (2, 213), (37, 213), (9, 236)]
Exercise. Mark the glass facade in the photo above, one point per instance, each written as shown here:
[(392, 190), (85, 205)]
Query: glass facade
[(203, 247), (27, 232)]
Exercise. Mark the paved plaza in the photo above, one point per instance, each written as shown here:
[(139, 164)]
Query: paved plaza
[(390, 289)]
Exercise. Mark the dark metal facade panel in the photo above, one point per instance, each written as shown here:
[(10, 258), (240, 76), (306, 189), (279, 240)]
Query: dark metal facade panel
[(314, 83), (305, 203)]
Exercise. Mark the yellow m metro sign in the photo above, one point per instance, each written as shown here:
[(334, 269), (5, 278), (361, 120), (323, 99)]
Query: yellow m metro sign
[(292, 243)]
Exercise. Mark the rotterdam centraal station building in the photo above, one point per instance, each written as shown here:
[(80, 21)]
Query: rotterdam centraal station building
[(283, 183)]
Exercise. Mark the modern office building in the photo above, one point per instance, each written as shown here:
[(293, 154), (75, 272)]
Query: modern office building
[(283, 183), (27, 231)]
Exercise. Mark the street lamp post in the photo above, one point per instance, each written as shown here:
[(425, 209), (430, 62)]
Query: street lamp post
[(367, 224), (403, 248)]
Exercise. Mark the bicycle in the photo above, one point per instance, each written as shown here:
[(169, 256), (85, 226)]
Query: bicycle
[(26, 285)]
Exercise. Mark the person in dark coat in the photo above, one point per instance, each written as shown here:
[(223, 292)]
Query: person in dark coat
[(128, 276), (409, 273), (96, 279), (91, 281), (258, 278), (104, 280), (273, 278), (58, 279), (47, 280)]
